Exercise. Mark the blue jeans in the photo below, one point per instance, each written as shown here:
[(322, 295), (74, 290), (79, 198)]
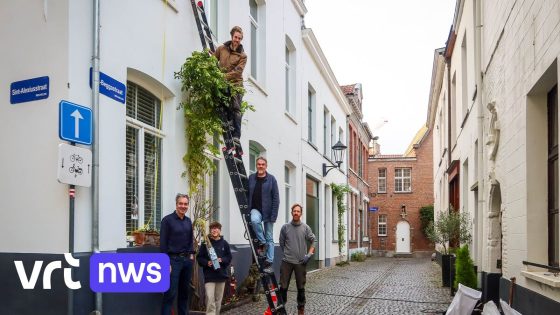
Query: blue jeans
[(180, 278), (267, 236)]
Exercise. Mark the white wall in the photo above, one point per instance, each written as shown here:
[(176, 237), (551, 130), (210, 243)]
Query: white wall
[(30, 196), (144, 44)]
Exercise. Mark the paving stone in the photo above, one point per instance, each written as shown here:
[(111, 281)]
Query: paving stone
[(384, 286)]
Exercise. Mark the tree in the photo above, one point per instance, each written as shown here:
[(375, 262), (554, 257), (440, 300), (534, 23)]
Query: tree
[(450, 225)]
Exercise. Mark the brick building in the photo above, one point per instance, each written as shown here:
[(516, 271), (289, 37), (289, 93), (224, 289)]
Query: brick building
[(400, 185), (359, 136)]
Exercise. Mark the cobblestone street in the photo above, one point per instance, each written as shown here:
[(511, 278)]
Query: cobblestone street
[(389, 286)]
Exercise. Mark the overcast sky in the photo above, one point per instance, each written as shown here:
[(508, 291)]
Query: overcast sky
[(388, 47)]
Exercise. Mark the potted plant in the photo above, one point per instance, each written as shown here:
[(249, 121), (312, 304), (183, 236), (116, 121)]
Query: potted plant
[(464, 269), (450, 227), (146, 236)]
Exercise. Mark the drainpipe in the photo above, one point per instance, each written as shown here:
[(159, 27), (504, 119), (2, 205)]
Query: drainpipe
[(480, 118), (95, 147), (347, 184)]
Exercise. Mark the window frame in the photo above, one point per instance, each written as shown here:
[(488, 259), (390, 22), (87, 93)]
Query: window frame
[(401, 178), (381, 224), (311, 112), (257, 37), (380, 178), (143, 129)]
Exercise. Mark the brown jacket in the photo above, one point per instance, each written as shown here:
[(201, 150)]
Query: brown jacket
[(232, 62)]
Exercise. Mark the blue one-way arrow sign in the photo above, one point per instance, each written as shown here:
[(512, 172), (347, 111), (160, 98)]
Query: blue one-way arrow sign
[(75, 123)]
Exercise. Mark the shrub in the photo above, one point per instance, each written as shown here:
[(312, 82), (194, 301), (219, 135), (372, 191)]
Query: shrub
[(464, 269), (358, 256), (426, 217)]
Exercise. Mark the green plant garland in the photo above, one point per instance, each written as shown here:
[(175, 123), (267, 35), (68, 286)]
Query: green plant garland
[(206, 91), (339, 191)]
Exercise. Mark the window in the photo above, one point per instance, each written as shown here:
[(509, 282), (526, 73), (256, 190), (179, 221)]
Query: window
[(464, 77), (257, 57), (211, 8), (255, 150), (453, 120), (553, 237), (311, 115), (254, 153), (288, 189), (402, 180), (382, 225), (290, 76), (333, 136), (326, 136), (360, 157), (143, 158), (334, 218), (382, 180), (365, 223)]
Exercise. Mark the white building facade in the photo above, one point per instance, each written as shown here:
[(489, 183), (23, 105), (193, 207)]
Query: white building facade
[(495, 152), (141, 134)]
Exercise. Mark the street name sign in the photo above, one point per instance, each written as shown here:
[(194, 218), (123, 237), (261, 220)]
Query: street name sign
[(29, 90), (110, 87), (74, 165)]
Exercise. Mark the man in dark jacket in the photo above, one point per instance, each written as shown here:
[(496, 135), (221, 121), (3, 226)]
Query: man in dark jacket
[(264, 201), (176, 240), (232, 59), (214, 279)]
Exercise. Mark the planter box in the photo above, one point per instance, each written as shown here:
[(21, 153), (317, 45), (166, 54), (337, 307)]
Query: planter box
[(146, 238), (446, 270)]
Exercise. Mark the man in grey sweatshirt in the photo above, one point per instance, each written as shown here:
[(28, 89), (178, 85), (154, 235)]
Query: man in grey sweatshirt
[(295, 237)]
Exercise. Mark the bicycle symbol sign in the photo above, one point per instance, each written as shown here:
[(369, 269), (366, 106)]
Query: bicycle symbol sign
[(74, 165)]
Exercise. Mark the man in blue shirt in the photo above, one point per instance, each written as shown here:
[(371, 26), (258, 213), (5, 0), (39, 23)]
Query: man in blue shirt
[(176, 239), (264, 201)]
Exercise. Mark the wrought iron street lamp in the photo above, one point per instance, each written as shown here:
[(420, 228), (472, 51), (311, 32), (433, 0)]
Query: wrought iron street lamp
[(338, 152)]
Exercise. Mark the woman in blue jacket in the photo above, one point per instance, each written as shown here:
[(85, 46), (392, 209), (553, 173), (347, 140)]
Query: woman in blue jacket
[(214, 279)]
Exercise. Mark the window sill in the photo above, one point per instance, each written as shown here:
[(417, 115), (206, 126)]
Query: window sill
[(382, 192), (257, 85), (543, 277), (312, 145), (403, 192), (290, 117)]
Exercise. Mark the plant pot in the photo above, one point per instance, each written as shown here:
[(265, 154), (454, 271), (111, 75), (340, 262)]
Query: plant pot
[(446, 270), (146, 238)]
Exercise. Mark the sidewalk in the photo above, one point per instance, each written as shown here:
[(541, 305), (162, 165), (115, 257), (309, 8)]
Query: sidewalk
[(381, 286)]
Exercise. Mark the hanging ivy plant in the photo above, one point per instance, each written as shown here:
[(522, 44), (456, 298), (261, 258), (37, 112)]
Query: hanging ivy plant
[(206, 90), (339, 191)]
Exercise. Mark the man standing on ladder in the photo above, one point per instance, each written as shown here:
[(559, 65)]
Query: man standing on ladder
[(264, 201), (232, 59), (295, 236)]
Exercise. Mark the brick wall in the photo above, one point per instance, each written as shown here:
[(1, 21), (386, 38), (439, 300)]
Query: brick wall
[(390, 203)]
